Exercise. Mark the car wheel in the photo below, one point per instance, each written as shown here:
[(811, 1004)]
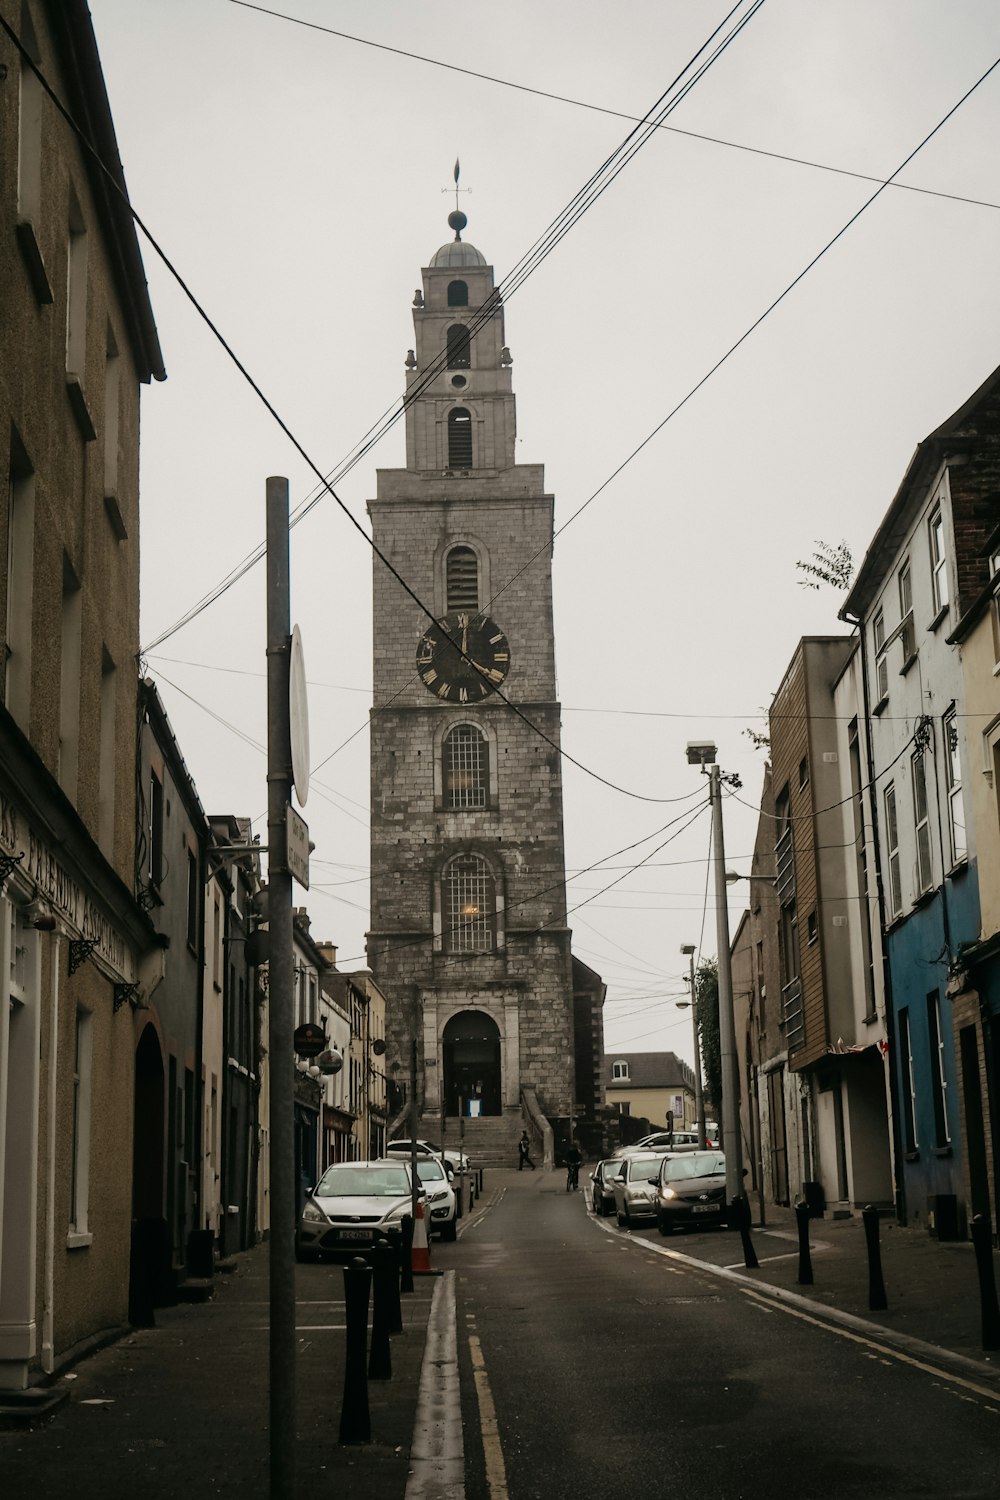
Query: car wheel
[(664, 1225), (449, 1231)]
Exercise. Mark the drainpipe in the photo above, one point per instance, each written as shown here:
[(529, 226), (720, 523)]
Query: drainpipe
[(898, 1183), (48, 1304)]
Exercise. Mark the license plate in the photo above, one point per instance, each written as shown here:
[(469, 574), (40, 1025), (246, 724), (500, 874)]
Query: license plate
[(356, 1234), (705, 1208)]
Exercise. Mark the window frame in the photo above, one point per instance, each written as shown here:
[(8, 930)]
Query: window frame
[(953, 785), (454, 597), (481, 936), (881, 660), (911, 1140), (619, 1071), (923, 848), (479, 774), (904, 581), (940, 591), (891, 812), (939, 1072), (460, 443)]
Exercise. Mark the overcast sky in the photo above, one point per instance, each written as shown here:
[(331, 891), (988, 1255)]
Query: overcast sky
[(296, 180)]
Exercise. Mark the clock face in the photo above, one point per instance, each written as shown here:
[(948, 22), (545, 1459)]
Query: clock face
[(442, 656)]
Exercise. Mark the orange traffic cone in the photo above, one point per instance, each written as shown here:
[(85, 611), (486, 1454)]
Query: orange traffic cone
[(421, 1252)]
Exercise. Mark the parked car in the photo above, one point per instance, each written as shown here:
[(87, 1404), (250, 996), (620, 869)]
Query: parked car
[(455, 1161), (635, 1187), (603, 1175), (355, 1205), (441, 1206), (691, 1190), (660, 1140)]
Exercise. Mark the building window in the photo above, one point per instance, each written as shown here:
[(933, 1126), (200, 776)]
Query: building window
[(154, 830), (939, 1080), (892, 852), (909, 1089), (29, 141), (466, 767), (619, 1071), (939, 562), (458, 294), (20, 584), (106, 761), (812, 928), (881, 663), (112, 398), (462, 579), (861, 866), (791, 987), (70, 649), (469, 905), (459, 347), (921, 821), (82, 1072), (803, 772), (995, 605), (76, 295), (193, 886), (906, 630), (953, 779), (459, 439)]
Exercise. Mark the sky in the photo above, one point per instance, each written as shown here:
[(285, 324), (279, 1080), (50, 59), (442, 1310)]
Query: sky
[(299, 179)]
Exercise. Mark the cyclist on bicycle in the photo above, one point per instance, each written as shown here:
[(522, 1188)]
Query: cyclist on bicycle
[(574, 1156)]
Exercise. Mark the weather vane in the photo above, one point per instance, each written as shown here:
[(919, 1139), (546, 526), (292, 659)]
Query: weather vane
[(458, 168)]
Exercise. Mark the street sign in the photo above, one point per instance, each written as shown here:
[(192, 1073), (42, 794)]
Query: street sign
[(298, 720), (309, 1040), (297, 847)]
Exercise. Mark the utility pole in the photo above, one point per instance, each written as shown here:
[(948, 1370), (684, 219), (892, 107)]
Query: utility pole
[(699, 1098), (281, 1058), (704, 754)]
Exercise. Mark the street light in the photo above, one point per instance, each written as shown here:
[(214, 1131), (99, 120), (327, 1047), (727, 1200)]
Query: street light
[(699, 1099), (703, 753)]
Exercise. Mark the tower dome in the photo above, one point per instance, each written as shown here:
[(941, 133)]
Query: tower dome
[(457, 252)]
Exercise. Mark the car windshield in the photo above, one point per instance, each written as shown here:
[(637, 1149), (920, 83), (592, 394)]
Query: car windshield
[(611, 1169), (430, 1170), (363, 1182), (642, 1168), (694, 1164)]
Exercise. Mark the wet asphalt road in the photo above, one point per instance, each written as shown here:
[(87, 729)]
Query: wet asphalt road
[(613, 1369)]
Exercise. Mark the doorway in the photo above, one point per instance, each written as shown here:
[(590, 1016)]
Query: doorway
[(471, 1057)]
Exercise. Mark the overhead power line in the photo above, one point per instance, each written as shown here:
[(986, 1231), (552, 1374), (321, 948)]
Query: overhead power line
[(600, 109)]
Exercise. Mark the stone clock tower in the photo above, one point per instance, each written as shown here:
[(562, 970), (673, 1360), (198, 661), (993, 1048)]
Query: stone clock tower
[(469, 938)]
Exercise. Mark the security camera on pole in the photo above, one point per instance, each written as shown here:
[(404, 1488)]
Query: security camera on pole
[(703, 753)]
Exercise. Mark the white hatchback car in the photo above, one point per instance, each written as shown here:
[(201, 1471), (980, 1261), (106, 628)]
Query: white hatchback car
[(456, 1161), (440, 1205), (354, 1206), (635, 1189)]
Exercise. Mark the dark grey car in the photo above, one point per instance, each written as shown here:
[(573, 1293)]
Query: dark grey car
[(603, 1193), (691, 1190)]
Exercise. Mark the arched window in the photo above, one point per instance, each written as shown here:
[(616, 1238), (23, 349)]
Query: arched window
[(459, 439), (619, 1072), (469, 905), (459, 347), (458, 294), (466, 767), (462, 579)]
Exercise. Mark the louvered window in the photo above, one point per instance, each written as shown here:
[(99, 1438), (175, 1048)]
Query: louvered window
[(459, 439), (466, 767), (459, 347), (462, 579), (469, 905), (458, 294)]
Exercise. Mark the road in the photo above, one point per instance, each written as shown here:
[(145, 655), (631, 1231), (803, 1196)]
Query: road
[(615, 1365)]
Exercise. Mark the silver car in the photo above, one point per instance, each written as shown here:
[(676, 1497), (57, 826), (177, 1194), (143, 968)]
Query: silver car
[(635, 1188), (440, 1204), (354, 1206)]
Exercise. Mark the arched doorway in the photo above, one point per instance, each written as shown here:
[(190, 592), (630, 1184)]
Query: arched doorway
[(150, 1274), (471, 1057)]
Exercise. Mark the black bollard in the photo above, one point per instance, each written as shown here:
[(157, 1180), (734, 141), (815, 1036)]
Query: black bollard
[(805, 1276), (383, 1274), (459, 1194), (406, 1252), (355, 1420), (877, 1300), (982, 1239), (739, 1216), (395, 1307)]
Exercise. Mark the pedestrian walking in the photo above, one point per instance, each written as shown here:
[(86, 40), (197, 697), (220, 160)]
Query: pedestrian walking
[(524, 1152)]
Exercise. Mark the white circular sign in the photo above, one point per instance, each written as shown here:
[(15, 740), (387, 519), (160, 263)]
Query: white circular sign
[(298, 718)]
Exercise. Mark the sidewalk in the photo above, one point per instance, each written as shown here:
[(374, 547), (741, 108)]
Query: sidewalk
[(932, 1286), (183, 1408)]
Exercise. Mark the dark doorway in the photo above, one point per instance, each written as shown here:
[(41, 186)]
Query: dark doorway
[(147, 1131), (779, 1142), (471, 1048)]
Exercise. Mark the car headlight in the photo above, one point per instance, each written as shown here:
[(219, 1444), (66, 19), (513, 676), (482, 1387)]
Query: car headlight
[(436, 1197), (667, 1192), (313, 1215)]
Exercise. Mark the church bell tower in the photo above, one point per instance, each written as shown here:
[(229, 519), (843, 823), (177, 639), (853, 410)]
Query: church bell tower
[(468, 908)]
